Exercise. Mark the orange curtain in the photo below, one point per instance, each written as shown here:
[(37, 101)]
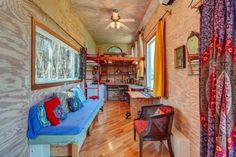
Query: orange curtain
[(159, 86)]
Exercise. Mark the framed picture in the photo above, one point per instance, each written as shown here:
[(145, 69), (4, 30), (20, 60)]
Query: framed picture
[(54, 60), (179, 57)]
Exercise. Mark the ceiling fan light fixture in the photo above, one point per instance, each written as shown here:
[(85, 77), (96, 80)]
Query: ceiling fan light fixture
[(115, 15), (117, 22)]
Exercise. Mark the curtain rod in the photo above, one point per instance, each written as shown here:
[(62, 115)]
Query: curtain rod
[(154, 27), (197, 4), (59, 26)]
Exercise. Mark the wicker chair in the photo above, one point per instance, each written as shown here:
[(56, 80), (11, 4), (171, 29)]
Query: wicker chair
[(153, 125)]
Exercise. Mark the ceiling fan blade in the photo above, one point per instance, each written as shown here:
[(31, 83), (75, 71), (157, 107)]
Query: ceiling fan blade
[(127, 20), (111, 25), (108, 26), (124, 26), (107, 20)]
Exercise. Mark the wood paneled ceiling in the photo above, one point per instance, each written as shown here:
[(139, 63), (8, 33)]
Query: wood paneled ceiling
[(94, 12)]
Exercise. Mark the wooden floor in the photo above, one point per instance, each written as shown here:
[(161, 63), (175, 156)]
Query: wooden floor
[(112, 136)]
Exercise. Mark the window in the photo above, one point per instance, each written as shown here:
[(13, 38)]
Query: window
[(150, 62), (114, 49), (55, 61)]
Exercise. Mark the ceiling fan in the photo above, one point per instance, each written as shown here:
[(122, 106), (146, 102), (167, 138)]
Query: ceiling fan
[(117, 21)]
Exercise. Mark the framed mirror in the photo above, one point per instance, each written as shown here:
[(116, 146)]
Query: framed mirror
[(192, 49)]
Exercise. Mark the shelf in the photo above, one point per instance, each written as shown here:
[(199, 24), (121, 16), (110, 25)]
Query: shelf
[(115, 59), (124, 59), (112, 64), (104, 74), (118, 74), (119, 64)]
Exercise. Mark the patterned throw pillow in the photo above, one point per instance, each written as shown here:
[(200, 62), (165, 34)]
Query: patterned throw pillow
[(42, 115), (73, 105), (60, 113), (74, 102), (79, 93), (63, 98), (69, 94)]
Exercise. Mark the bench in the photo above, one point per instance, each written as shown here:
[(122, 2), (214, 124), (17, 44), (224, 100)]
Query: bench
[(73, 130)]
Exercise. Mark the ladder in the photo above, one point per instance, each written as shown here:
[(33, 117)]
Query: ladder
[(95, 60)]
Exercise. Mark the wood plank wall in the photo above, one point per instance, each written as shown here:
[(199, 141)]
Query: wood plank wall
[(62, 12), (15, 64)]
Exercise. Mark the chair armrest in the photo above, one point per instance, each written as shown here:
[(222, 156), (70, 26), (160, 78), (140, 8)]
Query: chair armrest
[(150, 106), (160, 116)]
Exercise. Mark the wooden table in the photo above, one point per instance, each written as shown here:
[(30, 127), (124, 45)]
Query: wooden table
[(139, 99)]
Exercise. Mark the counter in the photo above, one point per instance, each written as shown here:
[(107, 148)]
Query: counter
[(118, 91), (139, 99)]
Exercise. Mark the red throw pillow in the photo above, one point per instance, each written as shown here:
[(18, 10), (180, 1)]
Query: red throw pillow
[(50, 105)]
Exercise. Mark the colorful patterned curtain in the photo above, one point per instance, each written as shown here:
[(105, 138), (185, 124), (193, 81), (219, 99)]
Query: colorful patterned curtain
[(218, 78)]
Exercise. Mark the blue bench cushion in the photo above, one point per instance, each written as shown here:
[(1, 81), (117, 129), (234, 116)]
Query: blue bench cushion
[(74, 123)]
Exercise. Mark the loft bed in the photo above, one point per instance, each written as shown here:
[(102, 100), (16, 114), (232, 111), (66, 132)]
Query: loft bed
[(121, 66), (116, 72)]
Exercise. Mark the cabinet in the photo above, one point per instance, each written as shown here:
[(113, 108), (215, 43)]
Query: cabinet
[(40, 150)]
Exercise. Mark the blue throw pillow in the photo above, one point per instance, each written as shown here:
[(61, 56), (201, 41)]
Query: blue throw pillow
[(34, 124), (74, 103), (60, 113), (79, 93), (42, 115)]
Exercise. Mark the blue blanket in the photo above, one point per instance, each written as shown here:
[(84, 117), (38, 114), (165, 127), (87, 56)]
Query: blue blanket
[(72, 125)]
